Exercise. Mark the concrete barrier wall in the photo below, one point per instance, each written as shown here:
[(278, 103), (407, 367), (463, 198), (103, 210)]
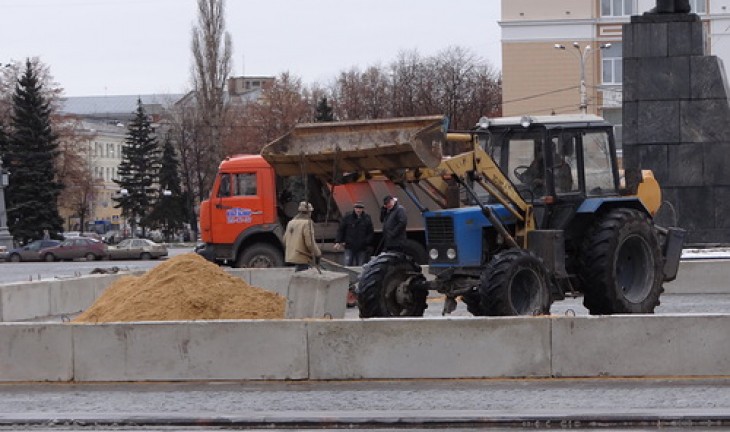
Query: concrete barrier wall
[(641, 345), (25, 300), (626, 346), (30, 300), (276, 279), (36, 352), (429, 348), (202, 350), (701, 277)]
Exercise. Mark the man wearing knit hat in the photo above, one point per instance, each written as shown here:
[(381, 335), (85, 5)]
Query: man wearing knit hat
[(394, 219), (300, 246)]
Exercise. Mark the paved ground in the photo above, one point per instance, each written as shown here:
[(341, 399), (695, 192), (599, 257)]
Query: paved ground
[(572, 403), (670, 304)]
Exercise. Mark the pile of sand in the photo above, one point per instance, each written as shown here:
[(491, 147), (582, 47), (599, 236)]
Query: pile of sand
[(186, 287)]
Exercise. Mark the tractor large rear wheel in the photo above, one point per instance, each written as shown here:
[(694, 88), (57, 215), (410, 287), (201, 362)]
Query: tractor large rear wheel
[(515, 282), (386, 287), (621, 265)]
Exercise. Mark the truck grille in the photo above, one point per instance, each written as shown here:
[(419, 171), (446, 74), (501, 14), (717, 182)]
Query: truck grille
[(440, 230)]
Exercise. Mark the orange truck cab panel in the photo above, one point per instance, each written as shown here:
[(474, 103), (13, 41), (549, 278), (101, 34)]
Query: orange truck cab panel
[(243, 197)]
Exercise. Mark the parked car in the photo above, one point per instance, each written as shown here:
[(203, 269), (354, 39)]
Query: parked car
[(71, 234), (30, 251), (79, 247), (111, 237), (137, 249)]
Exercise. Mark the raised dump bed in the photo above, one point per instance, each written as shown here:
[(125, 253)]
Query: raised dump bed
[(325, 149)]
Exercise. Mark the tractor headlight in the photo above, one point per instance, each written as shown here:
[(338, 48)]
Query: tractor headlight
[(433, 254), (451, 253)]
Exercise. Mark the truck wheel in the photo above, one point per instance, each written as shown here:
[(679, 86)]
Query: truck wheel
[(515, 282), (621, 265), (385, 287), (260, 256)]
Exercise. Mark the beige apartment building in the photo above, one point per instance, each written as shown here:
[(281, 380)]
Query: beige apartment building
[(551, 47)]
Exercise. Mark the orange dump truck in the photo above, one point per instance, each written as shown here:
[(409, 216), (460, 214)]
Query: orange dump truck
[(243, 220)]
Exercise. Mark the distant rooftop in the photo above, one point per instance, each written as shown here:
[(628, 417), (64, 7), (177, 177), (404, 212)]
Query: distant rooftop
[(116, 106)]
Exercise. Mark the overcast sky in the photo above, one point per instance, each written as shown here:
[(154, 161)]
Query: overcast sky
[(115, 47)]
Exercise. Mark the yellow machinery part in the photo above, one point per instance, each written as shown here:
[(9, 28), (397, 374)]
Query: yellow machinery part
[(649, 192)]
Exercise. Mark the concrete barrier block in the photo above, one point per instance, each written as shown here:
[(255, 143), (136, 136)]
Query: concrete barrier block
[(27, 300), (201, 350), (74, 295), (242, 273), (641, 345), (701, 277), (36, 352), (317, 295), (459, 347), (275, 279)]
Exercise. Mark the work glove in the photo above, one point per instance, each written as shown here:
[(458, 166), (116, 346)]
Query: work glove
[(317, 260)]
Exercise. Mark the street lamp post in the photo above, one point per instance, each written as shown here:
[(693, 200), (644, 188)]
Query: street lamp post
[(5, 238), (582, 54), (167, 193)]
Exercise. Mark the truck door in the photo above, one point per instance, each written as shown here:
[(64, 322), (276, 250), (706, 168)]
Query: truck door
[(238, 205)]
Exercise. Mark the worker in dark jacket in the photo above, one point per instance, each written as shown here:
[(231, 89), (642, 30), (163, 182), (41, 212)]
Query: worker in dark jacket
[(394, 219), (355, 234)]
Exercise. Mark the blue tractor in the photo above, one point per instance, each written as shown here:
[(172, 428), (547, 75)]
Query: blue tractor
[(536, 211)]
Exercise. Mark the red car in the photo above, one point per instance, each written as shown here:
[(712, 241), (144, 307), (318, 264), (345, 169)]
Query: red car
[(79, 247)]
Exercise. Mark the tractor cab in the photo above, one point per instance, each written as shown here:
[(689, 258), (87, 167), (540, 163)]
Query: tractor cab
[(556, 163)]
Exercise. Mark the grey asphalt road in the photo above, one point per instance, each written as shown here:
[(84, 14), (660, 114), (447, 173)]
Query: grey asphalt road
[(25, 271), (534, 403)]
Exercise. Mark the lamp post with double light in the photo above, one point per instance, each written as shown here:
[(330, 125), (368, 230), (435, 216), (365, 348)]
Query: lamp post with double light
[(582, 54)]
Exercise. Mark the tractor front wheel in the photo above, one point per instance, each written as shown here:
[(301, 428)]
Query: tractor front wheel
[(388, 287), (515, 282)]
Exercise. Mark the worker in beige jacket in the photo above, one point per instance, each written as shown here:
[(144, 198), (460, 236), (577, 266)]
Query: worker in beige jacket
[(300, 247)]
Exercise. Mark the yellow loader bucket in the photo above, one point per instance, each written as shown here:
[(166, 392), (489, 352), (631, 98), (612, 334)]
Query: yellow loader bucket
[(326, 149)]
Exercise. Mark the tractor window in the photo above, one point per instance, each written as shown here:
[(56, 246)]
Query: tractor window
[(526, 164), (597, 160), (245, 184), (224, 190), (565, 167)]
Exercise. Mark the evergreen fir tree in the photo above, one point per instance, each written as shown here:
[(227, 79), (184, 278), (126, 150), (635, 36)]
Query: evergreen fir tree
[(324, 112), (139, 170), (30, 155), (169, 212)]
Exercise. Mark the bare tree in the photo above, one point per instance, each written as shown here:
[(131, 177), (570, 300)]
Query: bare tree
[(75, 171), (281, 106), (186, 135), (211, 47), (455, 83)]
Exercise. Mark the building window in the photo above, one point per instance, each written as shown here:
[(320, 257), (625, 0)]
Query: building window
[(698, 6), (617, 8), (612, 64)]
